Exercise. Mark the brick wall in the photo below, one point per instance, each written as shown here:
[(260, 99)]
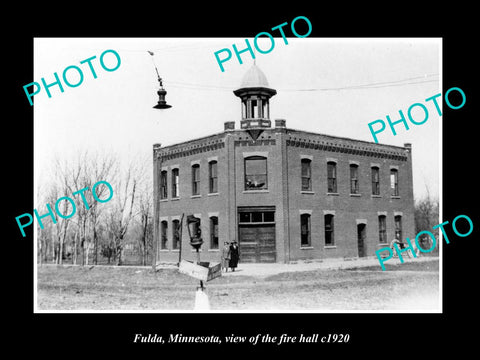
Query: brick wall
[(284, 149)]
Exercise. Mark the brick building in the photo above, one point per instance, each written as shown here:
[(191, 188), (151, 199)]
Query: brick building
[(283, 194)]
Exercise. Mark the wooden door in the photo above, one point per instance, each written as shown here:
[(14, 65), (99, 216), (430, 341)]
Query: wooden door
[(257, 243)]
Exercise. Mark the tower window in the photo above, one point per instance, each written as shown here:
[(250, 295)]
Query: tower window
[(254, 106)]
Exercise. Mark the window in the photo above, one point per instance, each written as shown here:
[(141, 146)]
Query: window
[(354, 179), (382, 228), (175, 234), (214, 232), (394, 181), (256, 173), (329, 239), (163, 232), (398, 227), (175, 183), (305, 230), (212, 177), (332, 177), (254, 109), (256, 217), (163, 185), (375, 181), (306, 175), (196, 179)]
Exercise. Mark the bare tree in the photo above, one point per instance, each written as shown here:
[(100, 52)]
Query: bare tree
[(58, 231), (121, 210), (427, 214), (102, 167), (145, 210)]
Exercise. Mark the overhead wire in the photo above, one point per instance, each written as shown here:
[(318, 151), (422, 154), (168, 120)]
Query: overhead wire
[(373, 85)]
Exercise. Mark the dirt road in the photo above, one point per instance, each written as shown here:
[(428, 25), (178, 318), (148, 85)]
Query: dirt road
[(315, 287)]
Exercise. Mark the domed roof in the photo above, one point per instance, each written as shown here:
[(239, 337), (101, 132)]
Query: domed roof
[(254, 77)]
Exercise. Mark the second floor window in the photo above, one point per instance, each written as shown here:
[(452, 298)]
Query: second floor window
[(354, 179), (256, 173), (394, 181), (212, 175), (375, 181), (332, 177), (306, 175), (175, 183), (163, 185), (196, 179)]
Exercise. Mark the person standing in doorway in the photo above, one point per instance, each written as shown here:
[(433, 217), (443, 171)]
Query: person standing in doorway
[(225, 256), (234, 255)]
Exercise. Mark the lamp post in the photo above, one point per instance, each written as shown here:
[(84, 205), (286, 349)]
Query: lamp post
[(195, 233), (162, 103)]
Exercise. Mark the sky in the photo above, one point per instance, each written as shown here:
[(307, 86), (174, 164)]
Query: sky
[(333, 86)]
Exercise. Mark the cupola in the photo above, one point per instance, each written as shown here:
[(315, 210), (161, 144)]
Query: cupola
[(255, 94)]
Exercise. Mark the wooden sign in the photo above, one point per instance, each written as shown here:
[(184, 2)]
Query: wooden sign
[(201, 270)]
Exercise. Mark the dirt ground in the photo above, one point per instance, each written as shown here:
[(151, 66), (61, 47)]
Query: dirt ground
[(344, 286)]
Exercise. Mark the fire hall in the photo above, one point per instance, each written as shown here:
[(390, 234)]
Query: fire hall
[(282, 194)]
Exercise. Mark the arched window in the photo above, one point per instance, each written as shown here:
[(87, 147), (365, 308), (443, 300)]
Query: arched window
[(163, 232), (175, 234), (256, 173), (212, 177), (398, 227), (375, 180), (332, 177), (354, 179), (305, 230), (196, 179), (382, 228), (163, 185), (306, 175), (175, 183), (329, 234), (213, 232), (394, 181)]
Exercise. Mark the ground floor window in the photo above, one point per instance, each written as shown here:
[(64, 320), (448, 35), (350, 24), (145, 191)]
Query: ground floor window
[(163, 231), (329, 235), (305, 230), (175, 234), (382, 228), (398, 227), (214, 232)]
